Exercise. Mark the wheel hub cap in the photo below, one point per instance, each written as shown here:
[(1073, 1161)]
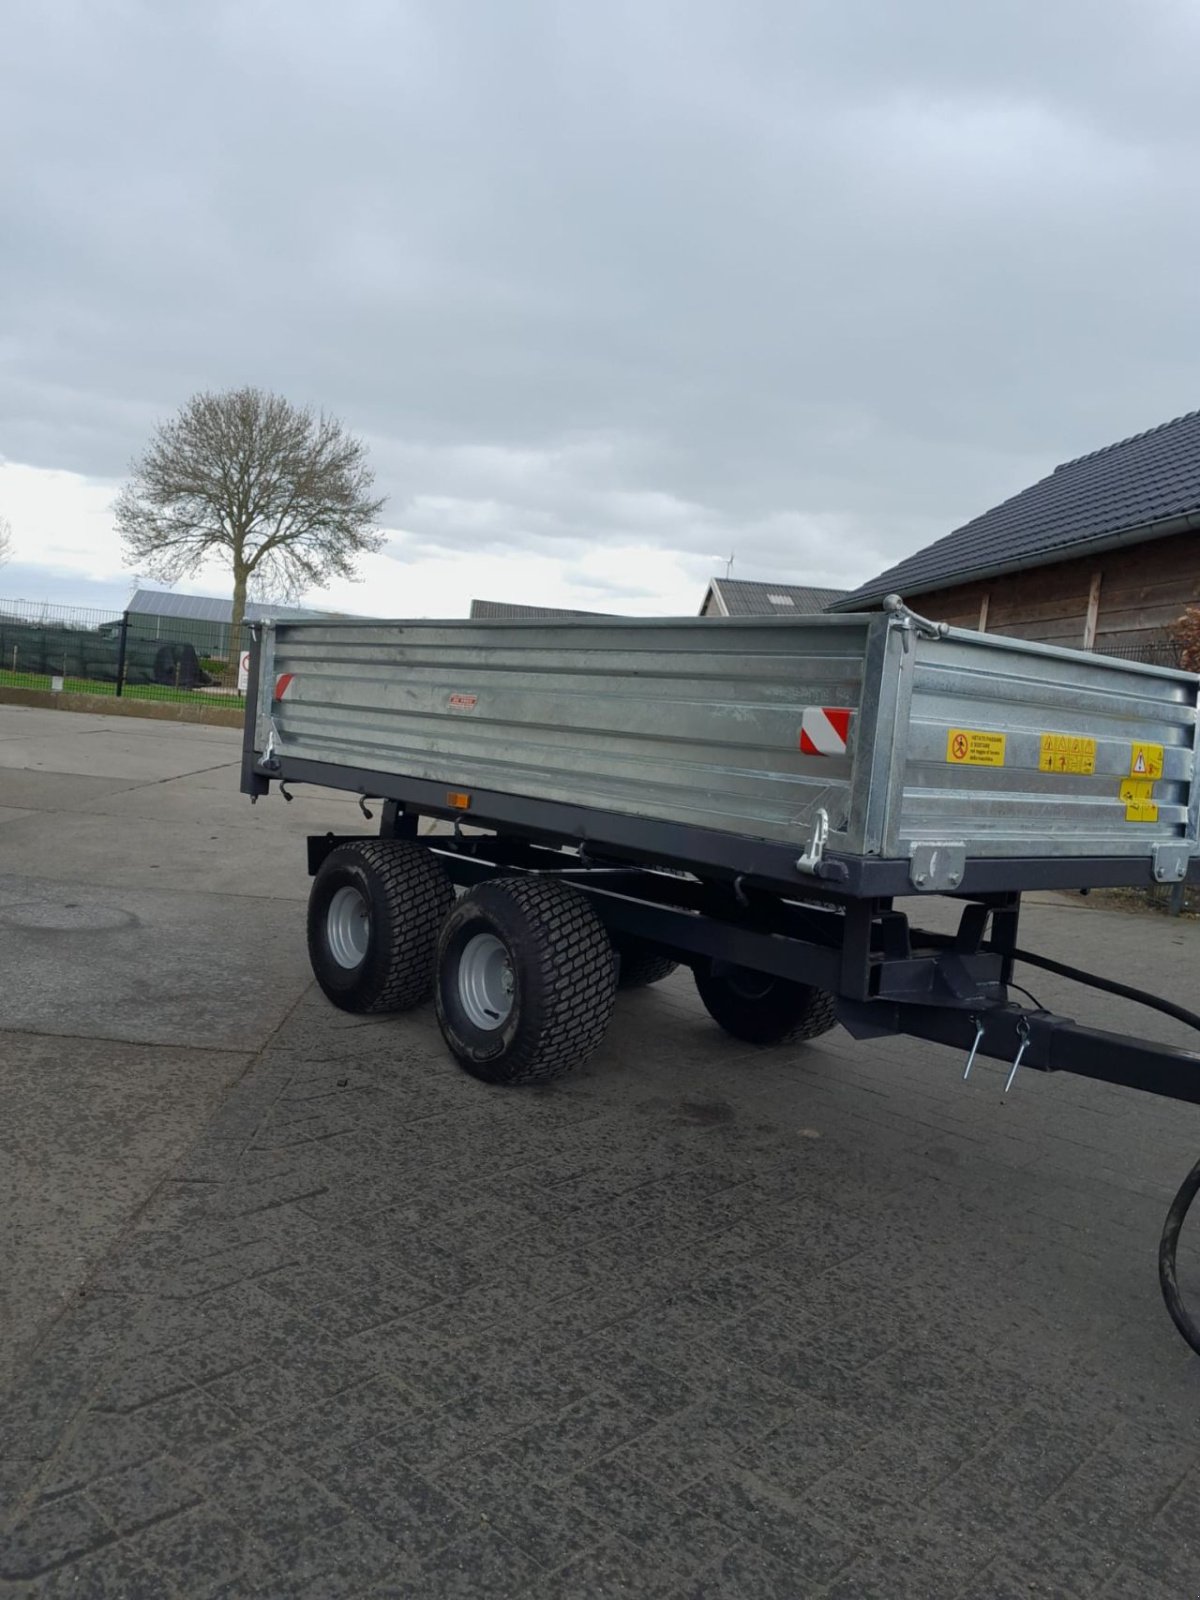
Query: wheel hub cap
[(485, 981), (348, 927)]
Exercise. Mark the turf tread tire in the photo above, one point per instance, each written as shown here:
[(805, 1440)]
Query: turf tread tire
[(409, 893), (790, 1013), (565, 971), (641, 965)]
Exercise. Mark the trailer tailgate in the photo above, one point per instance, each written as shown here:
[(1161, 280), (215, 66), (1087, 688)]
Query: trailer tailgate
[(1021, 749)]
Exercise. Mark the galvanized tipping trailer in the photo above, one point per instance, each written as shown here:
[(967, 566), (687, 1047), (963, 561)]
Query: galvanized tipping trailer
[(750, 797)]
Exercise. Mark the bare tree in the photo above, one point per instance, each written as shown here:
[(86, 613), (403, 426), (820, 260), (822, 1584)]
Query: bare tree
[(5, 540), (280, 494)]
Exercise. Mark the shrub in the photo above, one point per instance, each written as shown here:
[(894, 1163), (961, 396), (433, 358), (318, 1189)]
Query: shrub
[(1186, 634)]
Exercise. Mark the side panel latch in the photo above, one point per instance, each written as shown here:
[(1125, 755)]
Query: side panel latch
[(810, 861)]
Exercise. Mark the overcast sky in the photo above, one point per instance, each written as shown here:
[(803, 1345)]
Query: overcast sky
[(609, 288)]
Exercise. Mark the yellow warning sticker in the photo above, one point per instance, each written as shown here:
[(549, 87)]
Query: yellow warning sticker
[(1146, 760), (1141, 811), (970, 747), (1067, 752), (1137, 789)]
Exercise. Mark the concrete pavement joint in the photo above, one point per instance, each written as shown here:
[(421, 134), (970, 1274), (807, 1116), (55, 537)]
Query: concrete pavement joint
[(91, 1038)]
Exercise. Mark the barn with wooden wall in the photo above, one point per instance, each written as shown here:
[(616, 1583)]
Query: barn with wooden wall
[(1103, 554)]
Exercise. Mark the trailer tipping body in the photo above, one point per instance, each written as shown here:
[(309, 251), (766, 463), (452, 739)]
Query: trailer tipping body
[(903, 758)]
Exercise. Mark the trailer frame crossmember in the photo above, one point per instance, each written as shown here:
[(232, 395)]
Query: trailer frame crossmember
[(888, 977)]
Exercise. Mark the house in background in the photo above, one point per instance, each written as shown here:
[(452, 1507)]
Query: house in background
[(725, 597), (198, 619), (504, 610), (1104, 554), (737, 597)]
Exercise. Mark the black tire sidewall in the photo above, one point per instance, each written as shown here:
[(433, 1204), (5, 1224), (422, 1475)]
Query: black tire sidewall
[(564, 975), (352, 988), (640, 964), (777, 1015), (483, 1051)]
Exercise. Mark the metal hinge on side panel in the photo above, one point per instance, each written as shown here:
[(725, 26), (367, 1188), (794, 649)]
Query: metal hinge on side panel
[(1171, 861), (933, 867), (920, 625)]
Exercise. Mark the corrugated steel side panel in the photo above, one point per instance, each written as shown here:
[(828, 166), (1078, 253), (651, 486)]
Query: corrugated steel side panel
[(681, 720), (980, 683), (697, 721)]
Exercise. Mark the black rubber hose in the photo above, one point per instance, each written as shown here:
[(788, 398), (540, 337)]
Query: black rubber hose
[(1109, 986), (1169, 1243)]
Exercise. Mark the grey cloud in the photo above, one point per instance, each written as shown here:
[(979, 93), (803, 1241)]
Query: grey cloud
[(24, 580), (826, 280)]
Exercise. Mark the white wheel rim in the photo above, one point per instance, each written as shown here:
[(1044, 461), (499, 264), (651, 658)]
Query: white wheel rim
[(485, 981), (348, 928)]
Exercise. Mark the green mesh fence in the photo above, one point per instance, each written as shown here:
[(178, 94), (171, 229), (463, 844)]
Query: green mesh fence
[(64, 649)]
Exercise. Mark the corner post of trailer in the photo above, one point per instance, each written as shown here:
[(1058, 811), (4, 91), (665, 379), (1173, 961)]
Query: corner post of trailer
[(253, 783), (1192, 829)]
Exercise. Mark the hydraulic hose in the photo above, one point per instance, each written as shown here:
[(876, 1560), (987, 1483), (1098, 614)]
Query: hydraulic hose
[(1167, 1245), (1109, 986), (1168, 1278)]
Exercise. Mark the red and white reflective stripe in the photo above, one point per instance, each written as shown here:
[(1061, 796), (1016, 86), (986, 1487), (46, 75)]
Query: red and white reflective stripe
[(824, 730), (283, 683)]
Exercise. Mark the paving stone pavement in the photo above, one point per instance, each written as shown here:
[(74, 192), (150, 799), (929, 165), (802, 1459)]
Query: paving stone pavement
[(697, 1322)]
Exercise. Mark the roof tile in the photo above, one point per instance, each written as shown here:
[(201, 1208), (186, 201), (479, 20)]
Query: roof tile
[(743, 598), (499, 610), (1125, 487)]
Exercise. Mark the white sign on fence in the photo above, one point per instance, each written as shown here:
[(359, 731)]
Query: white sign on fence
[(243, 671)]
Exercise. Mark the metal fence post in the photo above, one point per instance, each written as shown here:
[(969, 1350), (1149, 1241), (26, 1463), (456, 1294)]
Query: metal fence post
[(123, 640)]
